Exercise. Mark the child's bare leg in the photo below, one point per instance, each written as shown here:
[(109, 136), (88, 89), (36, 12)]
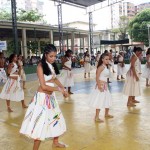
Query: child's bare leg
[(147, 84), (24, 85), (23, 104), (133, 100), (84, 75), (130, 101), (36, 144), (8, 106), (107, 113), (57, 144), (97, 119)]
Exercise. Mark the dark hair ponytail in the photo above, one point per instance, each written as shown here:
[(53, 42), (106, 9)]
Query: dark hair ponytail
[(11, 57), (137, 49), (148, 51), (46, 70), (101, 61)]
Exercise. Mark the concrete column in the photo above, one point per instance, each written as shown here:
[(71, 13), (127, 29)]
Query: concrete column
[(51, 37), (83, 44), (72, 41), (24, 43)]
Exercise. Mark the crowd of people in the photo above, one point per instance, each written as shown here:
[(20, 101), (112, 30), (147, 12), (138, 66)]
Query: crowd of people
[(43, 118)]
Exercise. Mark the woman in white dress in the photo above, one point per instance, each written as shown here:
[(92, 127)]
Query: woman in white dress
[(101, 98), (146, 71), (120, 66), (87, 65), (12, 90), (132, 83), (22, 72), (111, 60), (66, 75), (43, 119)]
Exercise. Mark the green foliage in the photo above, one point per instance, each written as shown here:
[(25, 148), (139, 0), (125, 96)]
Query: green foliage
[(22, 15), (31, 15), (123, 26), (4, 15), (138, 27)]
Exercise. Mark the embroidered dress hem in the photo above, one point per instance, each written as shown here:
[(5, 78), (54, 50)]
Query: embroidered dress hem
[(12, 90), (43, 119)]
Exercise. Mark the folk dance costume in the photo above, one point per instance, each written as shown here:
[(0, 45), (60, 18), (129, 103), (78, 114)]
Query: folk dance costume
[(131, 86), (87, 65), (146, 70), (121, 66), (3, 76), (100, 99), (22, 73), (66, 76), (12, 90), (44, 118)]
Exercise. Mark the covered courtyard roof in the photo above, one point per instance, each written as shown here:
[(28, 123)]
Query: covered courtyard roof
[(83, 3)]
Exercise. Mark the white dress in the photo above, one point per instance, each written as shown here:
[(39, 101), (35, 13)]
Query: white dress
[(22, 73), (12, 89), (131, 86), (66, 76), (146, 71), (43, 119), (87, 65), (120, 70), (98, 99), (3, 76)]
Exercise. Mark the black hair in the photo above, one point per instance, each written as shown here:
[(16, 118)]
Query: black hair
[(148, 51), (69, 51), (106, 51), (46, 70), (100, 62), (137, 49), (11, 57), (1, 54)]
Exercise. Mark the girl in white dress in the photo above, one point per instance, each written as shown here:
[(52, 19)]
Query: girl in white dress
[(101, 97), (146, 71), (87, 65), (66, 75), (44, 119), (120, 66), (22, 72), (12, 90), (132, 83)]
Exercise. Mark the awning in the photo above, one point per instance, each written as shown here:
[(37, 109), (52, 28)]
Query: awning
[(107, 42), (83, 3)]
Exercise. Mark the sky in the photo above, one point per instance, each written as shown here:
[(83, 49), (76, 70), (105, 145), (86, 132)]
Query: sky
[(100, 17)]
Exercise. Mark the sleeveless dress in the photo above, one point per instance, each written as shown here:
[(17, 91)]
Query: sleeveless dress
[(146, 71), (43, 119), (120, 70), (98, 99), (12, 89), (87, 65), (22, 73), (131, 86), (3, 76), (66, 76)]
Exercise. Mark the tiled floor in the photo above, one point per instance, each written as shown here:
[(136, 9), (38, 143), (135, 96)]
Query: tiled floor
[(128, 130)]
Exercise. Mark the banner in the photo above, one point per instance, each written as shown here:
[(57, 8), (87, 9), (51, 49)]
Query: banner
[(3, 45)]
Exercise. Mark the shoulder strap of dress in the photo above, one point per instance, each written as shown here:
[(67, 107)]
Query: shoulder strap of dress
[(135, 55)]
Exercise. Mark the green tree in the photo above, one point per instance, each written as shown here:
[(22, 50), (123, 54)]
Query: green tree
[(4, 15), (32, 15), (123, 26), (22, 15), (138, 29)]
